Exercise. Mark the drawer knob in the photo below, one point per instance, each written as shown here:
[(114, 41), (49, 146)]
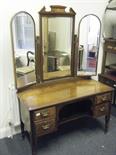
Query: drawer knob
[(38, 114), (102, 109), (45, 127)]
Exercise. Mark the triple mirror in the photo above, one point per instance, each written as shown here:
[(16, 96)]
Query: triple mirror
[(56, 55), (23, 42)]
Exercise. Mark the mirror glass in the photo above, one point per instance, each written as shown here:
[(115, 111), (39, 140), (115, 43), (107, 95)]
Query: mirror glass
[(89, 38), (23, 40), (56, 46)]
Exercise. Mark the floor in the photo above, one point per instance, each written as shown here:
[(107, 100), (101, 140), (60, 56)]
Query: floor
[(85, 137)]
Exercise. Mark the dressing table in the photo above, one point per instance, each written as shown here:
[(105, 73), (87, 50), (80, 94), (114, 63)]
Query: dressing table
[(44, 108), (49, 98)]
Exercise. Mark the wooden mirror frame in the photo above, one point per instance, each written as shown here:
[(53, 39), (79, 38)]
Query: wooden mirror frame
[(56, 11), (13, 52), (77, 58)]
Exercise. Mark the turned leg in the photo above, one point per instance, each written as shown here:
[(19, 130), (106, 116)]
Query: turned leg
[(22, 130), (33, 136), (107, 119)]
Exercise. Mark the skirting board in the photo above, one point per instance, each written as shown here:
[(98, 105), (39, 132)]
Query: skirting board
[(9, 132)]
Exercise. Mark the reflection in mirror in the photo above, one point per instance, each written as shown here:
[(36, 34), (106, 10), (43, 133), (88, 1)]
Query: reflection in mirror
[(57, 44), (89, 38), (23, 41)]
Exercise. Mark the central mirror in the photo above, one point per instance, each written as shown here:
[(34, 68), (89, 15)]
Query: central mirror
[(57, 30)]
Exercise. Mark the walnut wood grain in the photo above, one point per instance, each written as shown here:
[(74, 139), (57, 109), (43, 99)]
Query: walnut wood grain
[(57, 74), (53, 94), (100, 110), (45, 127), (107, 97), (44, 114)]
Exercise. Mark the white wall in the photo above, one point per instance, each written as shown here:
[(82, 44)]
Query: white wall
[(7, 10)]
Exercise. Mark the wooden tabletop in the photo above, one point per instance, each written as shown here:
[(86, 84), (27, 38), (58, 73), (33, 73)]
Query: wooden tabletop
[(57, 93)]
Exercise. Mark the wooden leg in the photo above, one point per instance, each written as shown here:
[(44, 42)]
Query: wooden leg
[(33, 136), (22, 130), (114, 96), (34, 145), (107, 119), (33, 151)]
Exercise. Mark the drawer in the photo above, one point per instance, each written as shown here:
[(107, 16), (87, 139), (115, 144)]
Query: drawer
[(100, 110), (45, 127), (40, 115), (103, 98)]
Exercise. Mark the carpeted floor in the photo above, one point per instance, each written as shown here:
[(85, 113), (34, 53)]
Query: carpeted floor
[(85, 138)]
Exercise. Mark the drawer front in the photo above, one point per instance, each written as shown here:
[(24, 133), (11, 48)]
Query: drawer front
[(103, 98), (100, 110), (43, 114), (45, 127)]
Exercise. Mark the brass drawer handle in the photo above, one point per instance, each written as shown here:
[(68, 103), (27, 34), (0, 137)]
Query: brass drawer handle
[(44, 114), (38, 114), (114, 85), (45, 127), (114, 48), (102, 109), (104, 98)]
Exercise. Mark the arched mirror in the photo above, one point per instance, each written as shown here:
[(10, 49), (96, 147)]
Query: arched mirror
[(89, 39), (56, 35), (23, 43)]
